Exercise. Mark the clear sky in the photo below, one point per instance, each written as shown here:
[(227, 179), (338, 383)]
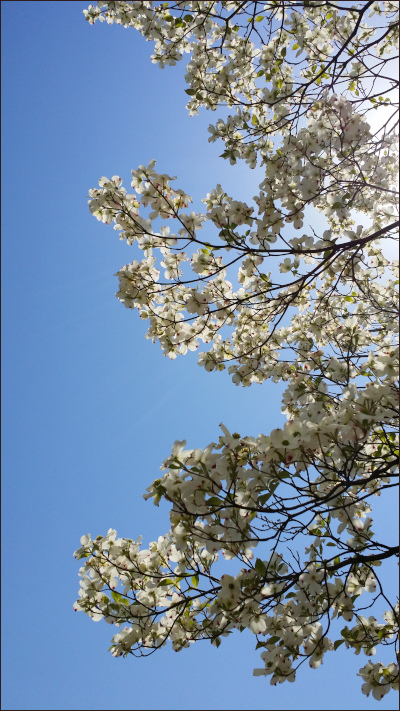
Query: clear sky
[(91, 408)]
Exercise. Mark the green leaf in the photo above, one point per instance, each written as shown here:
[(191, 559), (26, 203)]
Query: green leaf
[(116, 596), (262, 499), (254, 120), (295, 46), (214, 501), (260, 644), (273, 640), (191, 92), (273, 486), (283, 51), (195, 580), (265, 278), (291, 594), (166, 581), (338, 643), (259, 18), (188, 18), (260, 567)]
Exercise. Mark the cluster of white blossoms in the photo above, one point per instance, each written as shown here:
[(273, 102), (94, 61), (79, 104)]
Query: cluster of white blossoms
[(180, 315), (318, 311)]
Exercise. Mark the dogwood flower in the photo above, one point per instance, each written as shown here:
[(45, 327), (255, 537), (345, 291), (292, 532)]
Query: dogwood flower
[(300, 96)]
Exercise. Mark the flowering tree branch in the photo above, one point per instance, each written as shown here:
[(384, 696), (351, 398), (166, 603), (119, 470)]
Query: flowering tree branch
[(305, 82)]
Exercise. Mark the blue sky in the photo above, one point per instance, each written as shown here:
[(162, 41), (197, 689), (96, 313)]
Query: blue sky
[(91, 408)]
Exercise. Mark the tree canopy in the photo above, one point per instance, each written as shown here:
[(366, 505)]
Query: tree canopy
[(307, 91)]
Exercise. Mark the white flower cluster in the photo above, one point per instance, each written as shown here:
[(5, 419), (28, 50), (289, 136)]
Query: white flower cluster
[(318, 312), (255, 308), (218, 496)]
